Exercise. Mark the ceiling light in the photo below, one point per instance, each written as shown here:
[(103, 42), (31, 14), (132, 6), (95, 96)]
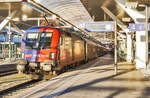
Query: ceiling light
[(24, 17), (54, 17)]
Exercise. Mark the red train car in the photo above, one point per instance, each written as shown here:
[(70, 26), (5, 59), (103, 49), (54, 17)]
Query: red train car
[(47, 50)]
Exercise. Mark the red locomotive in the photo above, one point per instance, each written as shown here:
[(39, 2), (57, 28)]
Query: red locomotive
[(48, 49)]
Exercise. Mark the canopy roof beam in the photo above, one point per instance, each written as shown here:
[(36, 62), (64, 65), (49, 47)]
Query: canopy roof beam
[(7, 20), (45, 10), (119, 23)]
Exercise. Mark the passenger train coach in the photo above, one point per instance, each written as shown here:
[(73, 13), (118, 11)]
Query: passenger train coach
[(47, 50)]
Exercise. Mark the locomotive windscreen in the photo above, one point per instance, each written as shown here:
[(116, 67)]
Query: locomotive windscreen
[(45, 40), (32, 37), (39, 40)]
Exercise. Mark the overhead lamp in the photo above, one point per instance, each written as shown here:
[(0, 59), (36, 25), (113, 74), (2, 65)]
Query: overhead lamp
[(54, 17), (24, 17), (108, 27)]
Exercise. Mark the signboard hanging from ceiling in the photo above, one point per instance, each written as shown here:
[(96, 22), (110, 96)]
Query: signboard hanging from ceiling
[(137, 27), (99, 27)]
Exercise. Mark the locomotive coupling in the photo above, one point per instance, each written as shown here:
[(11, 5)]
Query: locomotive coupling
[(33, 65)]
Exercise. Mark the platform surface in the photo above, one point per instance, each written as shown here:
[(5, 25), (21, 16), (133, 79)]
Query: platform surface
[(98, 81)]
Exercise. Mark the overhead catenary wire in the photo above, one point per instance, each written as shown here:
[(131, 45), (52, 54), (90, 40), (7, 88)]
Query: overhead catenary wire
[(45, 10)]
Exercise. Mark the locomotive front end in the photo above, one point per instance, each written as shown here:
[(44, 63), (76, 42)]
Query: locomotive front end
[(39, 48)]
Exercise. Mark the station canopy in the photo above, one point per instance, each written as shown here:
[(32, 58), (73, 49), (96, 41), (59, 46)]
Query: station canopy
[(70, 10)]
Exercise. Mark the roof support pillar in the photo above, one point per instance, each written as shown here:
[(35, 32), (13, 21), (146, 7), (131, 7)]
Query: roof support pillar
[(129, 48)]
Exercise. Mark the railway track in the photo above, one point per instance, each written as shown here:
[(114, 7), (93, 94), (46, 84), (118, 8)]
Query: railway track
[(6, 73), (4, 91), (59, 83), (8, 67), (12, 82), (9, 84), (56, 86)]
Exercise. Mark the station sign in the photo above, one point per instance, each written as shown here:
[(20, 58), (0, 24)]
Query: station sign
[(99, 27), (137, 27)]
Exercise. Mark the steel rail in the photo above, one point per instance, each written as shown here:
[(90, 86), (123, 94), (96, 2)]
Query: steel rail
[(16, 86), (6, 73)]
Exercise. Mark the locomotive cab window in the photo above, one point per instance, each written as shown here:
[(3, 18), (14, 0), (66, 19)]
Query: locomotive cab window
[(44, 40), (32, 37)]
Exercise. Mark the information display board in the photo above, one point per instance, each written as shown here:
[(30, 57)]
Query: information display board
[(99, 27), (137, 27)]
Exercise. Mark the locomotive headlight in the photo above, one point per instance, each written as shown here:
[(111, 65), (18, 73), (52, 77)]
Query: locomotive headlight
[(52, 55)]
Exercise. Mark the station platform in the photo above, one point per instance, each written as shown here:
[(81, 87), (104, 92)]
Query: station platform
[(96, 80), (8, 61)]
